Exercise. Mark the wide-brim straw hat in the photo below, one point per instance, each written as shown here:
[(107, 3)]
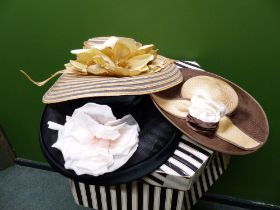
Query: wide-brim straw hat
[(245, 119), (71, 86)]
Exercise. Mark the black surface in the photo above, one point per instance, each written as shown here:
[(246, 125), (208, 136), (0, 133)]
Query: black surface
[(157, 138)]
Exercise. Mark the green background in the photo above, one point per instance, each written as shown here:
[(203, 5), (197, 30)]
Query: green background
[(238, 39)]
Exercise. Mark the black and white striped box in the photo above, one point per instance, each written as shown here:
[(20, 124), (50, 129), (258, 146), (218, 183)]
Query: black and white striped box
[(175, 185), (182, 168)]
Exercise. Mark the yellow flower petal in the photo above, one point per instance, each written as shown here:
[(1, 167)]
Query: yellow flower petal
[(78, 65), (76, 68), (130, 43), (139, 61), (124, 47), (121, 51), (79, 51), (85, 56), (109, 52), (109, 43), (97, 70), (104, 61), (146, 48)]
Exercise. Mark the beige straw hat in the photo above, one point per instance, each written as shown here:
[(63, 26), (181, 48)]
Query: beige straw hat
[(69, 87), (112, 66), (241, 126)]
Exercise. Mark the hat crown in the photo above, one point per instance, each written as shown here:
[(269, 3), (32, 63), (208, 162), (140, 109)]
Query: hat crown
[(211, 88)]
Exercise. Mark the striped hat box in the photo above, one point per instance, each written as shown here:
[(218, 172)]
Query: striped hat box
[(140, 195), (182, 168)]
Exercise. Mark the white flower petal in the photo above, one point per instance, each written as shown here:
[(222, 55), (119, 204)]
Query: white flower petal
[(87, 137)]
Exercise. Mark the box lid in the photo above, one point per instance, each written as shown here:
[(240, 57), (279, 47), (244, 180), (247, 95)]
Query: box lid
[(181, 169)]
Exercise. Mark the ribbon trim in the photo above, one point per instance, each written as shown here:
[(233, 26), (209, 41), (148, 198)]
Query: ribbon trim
[(45, 81)]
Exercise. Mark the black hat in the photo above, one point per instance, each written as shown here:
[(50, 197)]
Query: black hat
[(157, 138)]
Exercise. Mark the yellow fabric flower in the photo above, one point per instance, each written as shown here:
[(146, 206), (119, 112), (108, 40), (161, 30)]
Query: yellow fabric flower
[(112, 56), (117, 56)]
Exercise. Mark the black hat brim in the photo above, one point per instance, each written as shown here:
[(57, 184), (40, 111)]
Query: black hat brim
[(157, 138)]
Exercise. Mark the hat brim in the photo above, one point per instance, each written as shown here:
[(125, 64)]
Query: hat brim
[(70, 86), (157, 138), (248, 116)]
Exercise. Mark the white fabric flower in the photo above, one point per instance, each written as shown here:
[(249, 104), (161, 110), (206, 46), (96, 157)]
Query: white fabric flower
[(94, 142), (206, 110)]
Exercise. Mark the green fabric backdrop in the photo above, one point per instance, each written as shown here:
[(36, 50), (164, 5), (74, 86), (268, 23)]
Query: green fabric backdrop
[(238, 39)]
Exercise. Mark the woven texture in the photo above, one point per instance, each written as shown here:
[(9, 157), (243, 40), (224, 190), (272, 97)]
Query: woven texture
[(69, 86)]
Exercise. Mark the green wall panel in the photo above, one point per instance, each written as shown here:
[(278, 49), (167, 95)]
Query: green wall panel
[(238, 39)]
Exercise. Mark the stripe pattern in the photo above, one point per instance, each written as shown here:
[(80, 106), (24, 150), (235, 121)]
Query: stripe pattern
[(205, 180), (182, 167), (139, 195), (70, 86), (189, 64), (136, 195)]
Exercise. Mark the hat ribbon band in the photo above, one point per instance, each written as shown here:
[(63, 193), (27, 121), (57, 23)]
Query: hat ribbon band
[(45, 81)]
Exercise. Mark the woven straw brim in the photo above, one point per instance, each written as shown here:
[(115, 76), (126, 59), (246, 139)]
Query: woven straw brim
[(69, 86)]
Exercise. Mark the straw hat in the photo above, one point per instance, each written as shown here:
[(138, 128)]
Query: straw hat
[(71, 86), (244, 128)]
